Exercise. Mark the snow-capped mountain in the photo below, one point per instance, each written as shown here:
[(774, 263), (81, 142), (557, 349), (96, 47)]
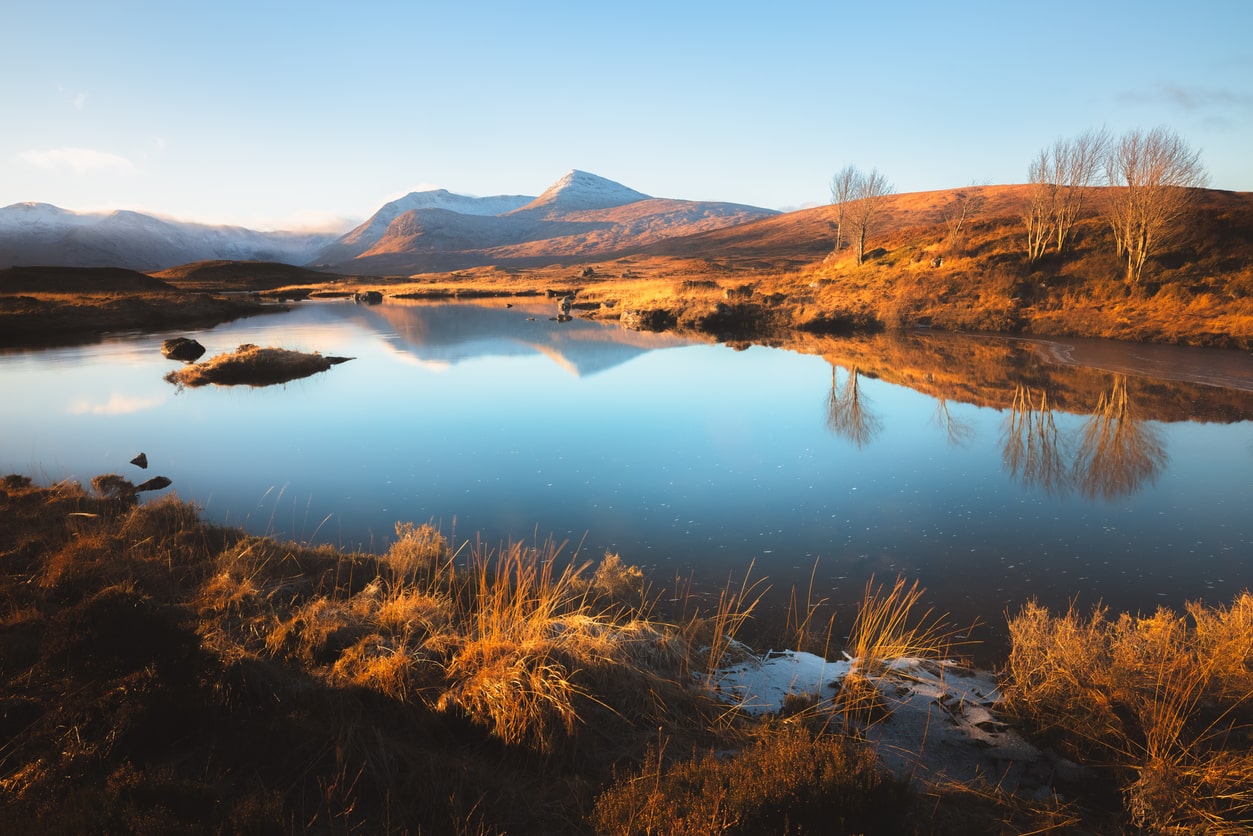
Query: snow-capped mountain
[(368, 234), (39, 233), (579, 191), (580, 216)]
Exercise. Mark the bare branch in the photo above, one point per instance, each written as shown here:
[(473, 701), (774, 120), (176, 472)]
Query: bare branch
[(842, 184), (1155, 176), (870, 192)]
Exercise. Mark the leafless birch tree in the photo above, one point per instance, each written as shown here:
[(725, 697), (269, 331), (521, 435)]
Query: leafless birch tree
[(870, 193), (1059, 179), (1078, 165), (1154, 176), (1040, 212), (841, 193), (962, 208)]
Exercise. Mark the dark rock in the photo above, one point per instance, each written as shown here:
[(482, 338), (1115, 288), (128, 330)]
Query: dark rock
[(648, 319), (156, 483), (182, 348), (141, 461), (368, 297)]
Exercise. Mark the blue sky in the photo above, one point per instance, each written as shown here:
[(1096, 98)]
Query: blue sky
[(278, 114)]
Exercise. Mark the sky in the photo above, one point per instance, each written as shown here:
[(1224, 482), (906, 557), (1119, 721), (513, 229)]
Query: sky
[(298, 115)]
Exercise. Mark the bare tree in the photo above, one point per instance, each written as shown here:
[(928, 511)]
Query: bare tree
[(870, 193), (1154, 175), (1059, 179), (1078, 164), (1040, 213), (964, 205), (841, 193)]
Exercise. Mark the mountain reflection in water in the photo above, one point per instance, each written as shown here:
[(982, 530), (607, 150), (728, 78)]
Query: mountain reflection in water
[(990, 469), (444, 333)]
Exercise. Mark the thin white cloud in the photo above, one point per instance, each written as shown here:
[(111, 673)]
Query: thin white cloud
[(117, 404), (77, 160), (1193, 98), (79, 101)]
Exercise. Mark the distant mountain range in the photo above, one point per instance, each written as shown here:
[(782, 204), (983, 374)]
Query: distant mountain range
[(42, 234), (580, 217)]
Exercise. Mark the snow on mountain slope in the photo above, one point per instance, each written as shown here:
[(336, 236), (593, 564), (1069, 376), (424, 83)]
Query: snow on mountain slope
[(374, 228), (580, 216), (41, 219), (579, 191), (33, 233), (368, 235)]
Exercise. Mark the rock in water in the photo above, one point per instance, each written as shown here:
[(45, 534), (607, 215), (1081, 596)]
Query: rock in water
[(141, 461), (156, 483), (182, 348)]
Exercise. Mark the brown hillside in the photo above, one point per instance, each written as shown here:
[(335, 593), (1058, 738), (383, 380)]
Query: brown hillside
[(219, 275), (77, 280), (807, 236)]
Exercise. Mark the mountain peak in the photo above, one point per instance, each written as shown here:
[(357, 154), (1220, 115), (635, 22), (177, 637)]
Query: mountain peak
[(580, 190)]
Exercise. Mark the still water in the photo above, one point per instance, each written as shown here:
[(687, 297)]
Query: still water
[(992, 470)]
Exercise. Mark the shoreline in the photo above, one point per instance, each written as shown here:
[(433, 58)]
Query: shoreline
[(546, 698)]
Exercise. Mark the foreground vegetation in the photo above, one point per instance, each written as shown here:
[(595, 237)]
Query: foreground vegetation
[(162, 674)]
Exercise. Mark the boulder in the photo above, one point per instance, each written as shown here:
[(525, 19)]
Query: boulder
[(156, 483), (182, 348)]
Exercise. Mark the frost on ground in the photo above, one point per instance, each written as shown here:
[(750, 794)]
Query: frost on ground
[(939, 721)]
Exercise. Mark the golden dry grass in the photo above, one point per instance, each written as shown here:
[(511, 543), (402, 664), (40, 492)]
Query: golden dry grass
[(1162, 699), (253, 366), (478, 690), (1198, 291)]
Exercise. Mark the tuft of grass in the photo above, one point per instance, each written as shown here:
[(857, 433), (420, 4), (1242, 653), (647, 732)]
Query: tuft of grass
[(253, 366), (1166, 701), (789, 781), (888, 626)]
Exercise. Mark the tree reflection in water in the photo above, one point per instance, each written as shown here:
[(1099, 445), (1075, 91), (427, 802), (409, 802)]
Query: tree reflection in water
[(1117, 452), (1033, 450), (848, 410), (959, 431)]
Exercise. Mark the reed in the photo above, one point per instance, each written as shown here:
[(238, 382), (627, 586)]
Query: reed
[(1163, 700)]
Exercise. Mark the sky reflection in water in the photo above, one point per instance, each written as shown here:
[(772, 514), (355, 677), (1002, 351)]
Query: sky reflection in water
[(680, 456)]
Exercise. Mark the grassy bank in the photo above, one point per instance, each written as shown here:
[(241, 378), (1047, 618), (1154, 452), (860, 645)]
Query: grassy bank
[(160, 673), (52, 318), (782, 274)]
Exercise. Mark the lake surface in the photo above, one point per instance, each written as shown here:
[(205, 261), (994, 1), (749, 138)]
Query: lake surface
[(992, 470)]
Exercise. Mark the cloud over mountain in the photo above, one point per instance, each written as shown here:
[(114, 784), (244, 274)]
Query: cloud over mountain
[(42, 234)]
